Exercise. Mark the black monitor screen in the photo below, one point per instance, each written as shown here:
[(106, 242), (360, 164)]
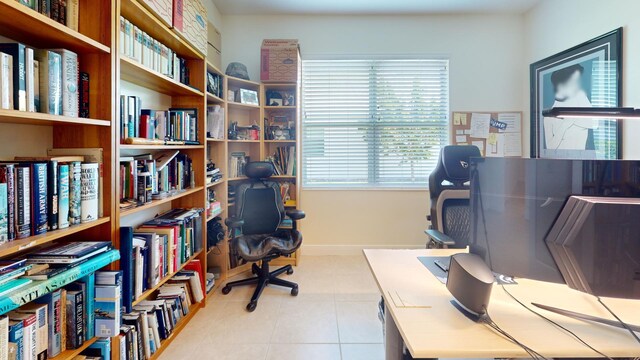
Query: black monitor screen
[(514, 203)]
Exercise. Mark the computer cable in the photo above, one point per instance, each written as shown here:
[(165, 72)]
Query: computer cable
[(624, 324), (486, 319), (554, 323)]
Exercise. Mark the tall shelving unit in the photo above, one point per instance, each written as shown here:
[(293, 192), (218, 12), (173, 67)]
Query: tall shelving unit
[(94, 43)]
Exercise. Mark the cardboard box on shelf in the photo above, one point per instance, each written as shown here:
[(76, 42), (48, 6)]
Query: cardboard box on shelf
[(190, 22), (162, 9), (279, 60), (214, 46)]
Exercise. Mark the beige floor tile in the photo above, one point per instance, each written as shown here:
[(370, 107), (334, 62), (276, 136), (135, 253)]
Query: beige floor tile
[(356, 283), (304, 352), (358, 323), (362, 351), (306, 322), (238, 326), (226, 351)]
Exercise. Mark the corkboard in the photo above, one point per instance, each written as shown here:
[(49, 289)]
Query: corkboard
[(504, 133)]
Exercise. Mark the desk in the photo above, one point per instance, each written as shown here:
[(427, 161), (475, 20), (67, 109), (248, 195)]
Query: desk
[(441, 331)]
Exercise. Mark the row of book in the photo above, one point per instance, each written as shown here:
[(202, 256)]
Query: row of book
[(214, 84), (40, 80), (47, 194), (141, 47), (175, 124), (237, 162), (284, 160), (66, 12), (148, 177), (158, 249)]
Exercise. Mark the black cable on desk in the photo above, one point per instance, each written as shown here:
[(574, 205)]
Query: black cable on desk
[(624, 324), (555, 323), (486, 319)]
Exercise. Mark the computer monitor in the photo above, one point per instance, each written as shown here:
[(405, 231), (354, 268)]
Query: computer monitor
[(515, 202)]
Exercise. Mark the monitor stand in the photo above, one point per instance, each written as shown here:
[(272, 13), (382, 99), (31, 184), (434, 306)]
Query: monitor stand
[(586, 317)]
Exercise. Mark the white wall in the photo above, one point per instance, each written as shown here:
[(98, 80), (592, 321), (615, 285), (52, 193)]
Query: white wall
[(213, 14), (486, 54), (556, 25)]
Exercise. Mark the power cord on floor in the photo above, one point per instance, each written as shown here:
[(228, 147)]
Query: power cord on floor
[(625, 325)]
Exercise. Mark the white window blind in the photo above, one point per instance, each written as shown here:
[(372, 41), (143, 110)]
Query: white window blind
[(373, 123)]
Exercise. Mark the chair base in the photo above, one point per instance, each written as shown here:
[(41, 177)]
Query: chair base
[(264, 278)]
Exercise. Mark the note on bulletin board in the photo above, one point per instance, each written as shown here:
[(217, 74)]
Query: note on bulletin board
[(496, 134)]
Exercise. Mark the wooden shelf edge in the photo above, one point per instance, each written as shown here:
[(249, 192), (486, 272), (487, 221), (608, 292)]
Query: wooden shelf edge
[(159, 147), (216, 183), (183, 322), (37, 240), (214, 99), (139, 74), (236, 80), (155, 203), (165, 279), (213, 68), (244, 141), (36, 118), (213, 216), (70, 354), (240, 178), (215, 140), (266, 107)]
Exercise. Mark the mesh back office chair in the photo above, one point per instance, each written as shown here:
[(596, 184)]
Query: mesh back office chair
[(449, 217), (256, 237)]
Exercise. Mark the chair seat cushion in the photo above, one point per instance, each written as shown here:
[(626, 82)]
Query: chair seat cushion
[(258, 246)]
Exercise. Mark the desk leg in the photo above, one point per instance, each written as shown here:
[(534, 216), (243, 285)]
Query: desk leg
[(392, 340)]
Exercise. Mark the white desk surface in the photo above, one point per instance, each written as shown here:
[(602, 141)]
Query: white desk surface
[(443, 331)]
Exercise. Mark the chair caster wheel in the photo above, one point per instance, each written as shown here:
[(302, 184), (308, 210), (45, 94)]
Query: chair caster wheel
[(294, 291), (252, 306), (226, 290), (289, 271)]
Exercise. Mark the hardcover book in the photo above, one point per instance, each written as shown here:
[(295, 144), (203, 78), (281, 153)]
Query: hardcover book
[(72, 14), (16, 332), (28, 333), (39, 206), (75, 192), (69, 253), (4, 337), (84, 95), (23, 202), (54, 319), (50, 81), (52, 193), (6, 81), (41, 326), (4, 223), (75, 319), (17, 51), (70, 73), (36, 85), (45, 8), (63, 196), (7, 176), (29, 79), (89, 194)]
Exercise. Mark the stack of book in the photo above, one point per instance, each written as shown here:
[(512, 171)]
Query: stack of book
[(173, 126), (142, 48), (40, 80), (49, 193), (237, 162), (284, 160), (63, 11), (213, 173), (149, 177)]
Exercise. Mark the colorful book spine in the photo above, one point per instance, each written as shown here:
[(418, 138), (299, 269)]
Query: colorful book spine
[(52, 193), (39, 207), (50, 81), (23, 202), (90, 314), (4, 222), (75, 319), (7, 176), (36, 85), (69, 75), (45, 8), (16, 333), (54, 318), (17, 51), (75, 192), (63, 188), (84, 95), (89, 195)]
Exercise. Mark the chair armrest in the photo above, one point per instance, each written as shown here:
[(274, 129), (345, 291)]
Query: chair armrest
[(295, 214), (234, 222), (440, 238)]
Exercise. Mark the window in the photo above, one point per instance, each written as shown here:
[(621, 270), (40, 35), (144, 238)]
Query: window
[(373, 123)]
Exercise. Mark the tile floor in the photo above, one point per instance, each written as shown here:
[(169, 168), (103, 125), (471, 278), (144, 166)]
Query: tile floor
[(334, 317)]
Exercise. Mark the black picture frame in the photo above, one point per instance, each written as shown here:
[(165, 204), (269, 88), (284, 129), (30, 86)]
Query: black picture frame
[(589, 74)]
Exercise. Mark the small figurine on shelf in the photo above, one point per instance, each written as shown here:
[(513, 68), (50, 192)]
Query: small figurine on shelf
[(233, 131)]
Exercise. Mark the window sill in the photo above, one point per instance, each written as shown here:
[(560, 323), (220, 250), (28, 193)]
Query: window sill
[(314, 188)]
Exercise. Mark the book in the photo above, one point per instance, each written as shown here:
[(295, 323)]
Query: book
[(75, 319), (83, 111), (72, 14), (6, 81), (62, 16), (4, 222), (127, 266), (69, 74), (89, 195), (29, 331), (17, 51), (4, 337), (45, 7), (41, 326), (107, 310), (29, 79), (29, 3), (23, 202), (8, 275), (55, 10), (35, 268), (13, 285), (88, 287), (50, 81), (39, 205), (7, 176), (36, 86), (75, 192), (69, 253), (16, 333), (52, 192), (99, 350), (54, 319), (63, 196), (9, 265)]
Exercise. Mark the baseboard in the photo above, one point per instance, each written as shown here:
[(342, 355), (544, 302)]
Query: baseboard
[(349, 250)]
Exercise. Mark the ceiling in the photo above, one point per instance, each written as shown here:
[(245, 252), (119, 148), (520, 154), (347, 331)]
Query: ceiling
[(372, 7)]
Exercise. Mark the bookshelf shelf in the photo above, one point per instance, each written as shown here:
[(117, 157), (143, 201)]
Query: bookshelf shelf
[(280, 107), (23, 24), (160, 147), (280, 141), (155, 203), (165, 279), (213, 216), (237, 82), (34, 118), (213, 68), (215, 140), (185, 320), (244, 141), (212, 99), (291, 85), (70, 354), (33, 241), (237, 105), (133, 11), (292, 177), (216, 183), (239, 178), (141, 75)]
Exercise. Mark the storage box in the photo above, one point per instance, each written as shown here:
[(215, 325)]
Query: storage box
[(190, 22), (162, 9), (214, 46), (279, 60)]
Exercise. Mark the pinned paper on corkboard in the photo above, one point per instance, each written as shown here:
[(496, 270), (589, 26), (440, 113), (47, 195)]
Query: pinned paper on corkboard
[(496, 134)]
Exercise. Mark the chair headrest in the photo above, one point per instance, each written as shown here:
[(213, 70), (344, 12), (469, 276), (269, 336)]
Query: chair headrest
[(259, 169), (455, 160)]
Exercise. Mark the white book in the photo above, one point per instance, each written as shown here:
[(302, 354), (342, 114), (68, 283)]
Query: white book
[(90, 179), (72, 14), (137, 44), (36, 85), (30, 81), (121, 45), (70, 75), (6, 81), (4, 337)]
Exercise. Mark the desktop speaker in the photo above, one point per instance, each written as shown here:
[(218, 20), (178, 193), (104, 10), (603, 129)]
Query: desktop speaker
[(470, 281)]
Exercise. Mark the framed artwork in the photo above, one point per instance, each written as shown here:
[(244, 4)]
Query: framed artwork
[(587, 75), (249, 97)]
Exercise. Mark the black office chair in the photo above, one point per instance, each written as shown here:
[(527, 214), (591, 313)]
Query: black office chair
[(256, 237), (449, 193)]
